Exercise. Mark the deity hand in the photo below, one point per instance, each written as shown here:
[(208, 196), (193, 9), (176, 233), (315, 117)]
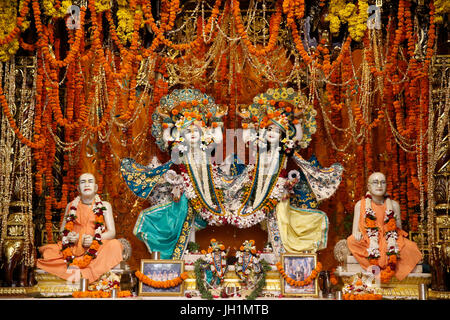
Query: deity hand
[(292, 179), (72, 237), (87, 240), (176, 193)]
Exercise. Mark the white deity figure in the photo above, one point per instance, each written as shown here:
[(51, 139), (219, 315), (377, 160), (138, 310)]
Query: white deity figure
[(281, 122), (187, 124)]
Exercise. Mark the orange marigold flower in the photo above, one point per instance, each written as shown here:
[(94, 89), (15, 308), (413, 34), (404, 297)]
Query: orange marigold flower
[(69, 226)]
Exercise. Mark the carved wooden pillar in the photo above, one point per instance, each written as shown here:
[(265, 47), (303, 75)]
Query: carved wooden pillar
[(439, 172)]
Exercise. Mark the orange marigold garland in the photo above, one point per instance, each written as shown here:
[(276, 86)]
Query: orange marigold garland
[(358, 290), (100, 294), (300, 283), (161, 284)]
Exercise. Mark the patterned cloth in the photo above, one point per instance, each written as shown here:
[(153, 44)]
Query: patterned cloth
[(322, 181), (142, 179)]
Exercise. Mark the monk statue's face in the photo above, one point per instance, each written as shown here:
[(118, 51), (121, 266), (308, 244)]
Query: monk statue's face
[(377, 184), (87, 186)]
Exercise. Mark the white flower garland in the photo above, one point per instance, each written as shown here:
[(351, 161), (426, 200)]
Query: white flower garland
[(373, 233), (72, 216), (234, 215)]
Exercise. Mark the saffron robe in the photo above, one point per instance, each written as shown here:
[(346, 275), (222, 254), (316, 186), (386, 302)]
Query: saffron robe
[(409, 253), (109, 254)]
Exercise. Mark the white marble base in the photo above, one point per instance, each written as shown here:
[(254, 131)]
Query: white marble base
[(352, 265)]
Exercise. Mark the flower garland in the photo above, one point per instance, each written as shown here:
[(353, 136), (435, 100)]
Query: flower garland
[(91, 253), (10, 27), (206, 294), (199, 275), (100, 294), (265, 267), (391, 237), (358, 290), (58, 10), (162, 284), (354, 16), (126, 17), (299, 283), (442, 8), (274, 28)]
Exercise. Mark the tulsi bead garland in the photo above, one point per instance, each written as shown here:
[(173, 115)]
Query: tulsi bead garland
[(91, 253)]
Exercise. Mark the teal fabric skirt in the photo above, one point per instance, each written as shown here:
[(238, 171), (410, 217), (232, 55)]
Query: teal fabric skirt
[(159, 227)]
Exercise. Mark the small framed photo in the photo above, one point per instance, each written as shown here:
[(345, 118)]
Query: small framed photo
[(161, 270), (299, 268)]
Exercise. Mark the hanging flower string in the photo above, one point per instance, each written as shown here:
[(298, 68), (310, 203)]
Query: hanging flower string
[(161, 284), (91, 253), (298, 283)]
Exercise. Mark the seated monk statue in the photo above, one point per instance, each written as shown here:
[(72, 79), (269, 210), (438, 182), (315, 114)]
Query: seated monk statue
[(88, 233), (377, 237)]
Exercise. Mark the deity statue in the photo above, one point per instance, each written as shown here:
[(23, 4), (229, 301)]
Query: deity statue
[(188, 125), (377, 237), (247, 264), (88, 241), (216, 258), (282, 122)]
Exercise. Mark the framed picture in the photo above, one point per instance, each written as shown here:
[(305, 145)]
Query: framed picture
[(299, 267), (161, 270)]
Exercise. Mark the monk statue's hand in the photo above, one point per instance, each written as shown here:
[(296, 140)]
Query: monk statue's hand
[(72, 237), (357, 236), (87, 240)]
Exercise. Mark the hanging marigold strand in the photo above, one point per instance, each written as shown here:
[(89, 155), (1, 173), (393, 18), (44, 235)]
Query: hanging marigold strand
[(43, 44)]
